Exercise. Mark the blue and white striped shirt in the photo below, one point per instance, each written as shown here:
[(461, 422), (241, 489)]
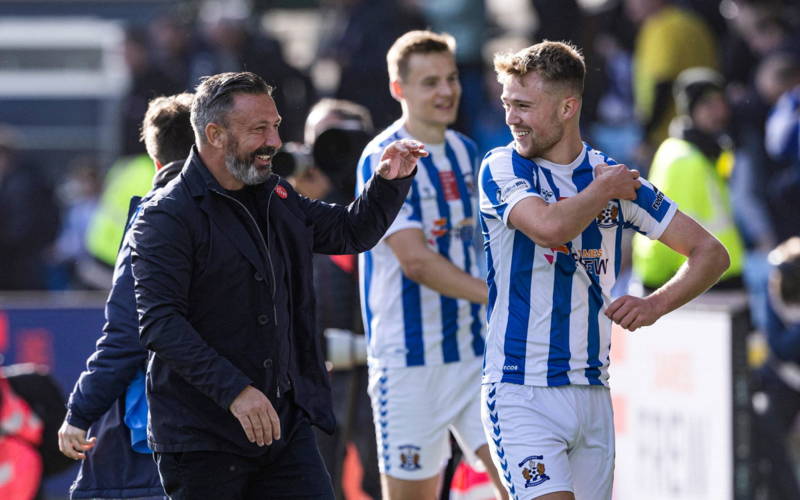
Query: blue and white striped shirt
[(546, 321), (409, 324)]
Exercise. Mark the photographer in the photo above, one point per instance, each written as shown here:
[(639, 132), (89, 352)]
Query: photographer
[(776, 391), (324, 168)]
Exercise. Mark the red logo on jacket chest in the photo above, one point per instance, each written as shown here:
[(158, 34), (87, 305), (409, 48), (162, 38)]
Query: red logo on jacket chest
[(281, 191)]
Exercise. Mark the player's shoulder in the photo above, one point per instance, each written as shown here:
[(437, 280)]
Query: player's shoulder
[(383, 139), (454, 136), (499, 156), (597, 157)]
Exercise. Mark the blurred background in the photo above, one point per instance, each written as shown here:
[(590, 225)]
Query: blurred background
[(76, 76)]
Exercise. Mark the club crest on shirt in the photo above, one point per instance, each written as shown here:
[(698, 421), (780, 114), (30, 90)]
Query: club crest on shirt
[(533, 470), (609, 216), (409, 457)]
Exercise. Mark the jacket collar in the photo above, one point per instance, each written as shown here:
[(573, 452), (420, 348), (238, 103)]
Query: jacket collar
[(167, 173)]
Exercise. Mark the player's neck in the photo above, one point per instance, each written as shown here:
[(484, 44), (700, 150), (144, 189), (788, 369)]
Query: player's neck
[(566, 150), (424, 132)]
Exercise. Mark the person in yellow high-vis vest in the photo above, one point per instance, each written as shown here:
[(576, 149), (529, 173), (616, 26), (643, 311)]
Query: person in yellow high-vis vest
[(691, 167)]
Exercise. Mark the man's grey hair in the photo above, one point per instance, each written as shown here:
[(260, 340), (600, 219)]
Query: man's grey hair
[(213, 98)]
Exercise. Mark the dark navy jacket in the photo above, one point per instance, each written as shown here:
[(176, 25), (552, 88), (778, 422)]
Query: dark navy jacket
[(112, 469), (206, 299)]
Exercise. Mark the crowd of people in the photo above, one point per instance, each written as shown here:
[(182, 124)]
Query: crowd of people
[(493, 202)]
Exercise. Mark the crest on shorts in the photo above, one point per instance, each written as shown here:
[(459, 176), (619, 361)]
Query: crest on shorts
[(533, 470), (409, 457), (609, 216)]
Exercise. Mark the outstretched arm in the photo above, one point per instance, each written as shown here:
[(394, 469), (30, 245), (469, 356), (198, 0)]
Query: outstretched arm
[(706, 260)]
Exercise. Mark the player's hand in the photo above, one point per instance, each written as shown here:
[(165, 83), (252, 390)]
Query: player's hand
[(617, 181), (72, 441), (256, 416), (399, 159), (631, 312)]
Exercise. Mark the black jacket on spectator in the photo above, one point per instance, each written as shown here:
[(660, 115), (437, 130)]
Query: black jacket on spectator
[(206, 299)]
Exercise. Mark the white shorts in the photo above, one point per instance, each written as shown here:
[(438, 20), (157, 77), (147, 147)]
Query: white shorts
[(548, 439), (414, 407)]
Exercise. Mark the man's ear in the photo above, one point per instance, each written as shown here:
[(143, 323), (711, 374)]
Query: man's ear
[(215, 135), (396, 89), (569, 107)]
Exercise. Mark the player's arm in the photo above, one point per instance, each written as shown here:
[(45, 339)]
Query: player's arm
[(553, 224), (427, 267), (706, 260)]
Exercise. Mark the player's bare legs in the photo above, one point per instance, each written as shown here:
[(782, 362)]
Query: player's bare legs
[(557, 495), (486, 458), (403, 489)]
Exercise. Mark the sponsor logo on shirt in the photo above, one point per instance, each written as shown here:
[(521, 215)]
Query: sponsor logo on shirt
[(513, 187), (659, 199)]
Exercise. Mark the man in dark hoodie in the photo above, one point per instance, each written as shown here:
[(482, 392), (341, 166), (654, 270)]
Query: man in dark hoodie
[(116, 464)]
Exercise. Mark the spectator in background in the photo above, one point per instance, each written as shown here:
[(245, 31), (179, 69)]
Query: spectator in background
[(670, 39), (776, 385), (107, 409), (692, 168), (356, 34), (466, 21), (232, 42), (764, 187), (782, 86), (146, 82), (337, 131), (29, 219), (79, 195), (172, 45)]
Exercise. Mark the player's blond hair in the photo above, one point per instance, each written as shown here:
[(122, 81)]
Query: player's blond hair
[(556, 62)]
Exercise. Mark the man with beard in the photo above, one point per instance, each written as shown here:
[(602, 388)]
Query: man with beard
[(553, 210), (223, 280)]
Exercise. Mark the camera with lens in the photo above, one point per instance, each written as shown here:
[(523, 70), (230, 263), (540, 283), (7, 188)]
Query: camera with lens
[(784, 282), (335, 151)]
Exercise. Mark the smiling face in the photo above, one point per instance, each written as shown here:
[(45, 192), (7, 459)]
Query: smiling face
[(534, 113), (430, 90), (251, 137)]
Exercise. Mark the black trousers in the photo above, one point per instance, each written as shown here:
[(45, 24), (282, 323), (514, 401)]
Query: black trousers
[(291, 468)]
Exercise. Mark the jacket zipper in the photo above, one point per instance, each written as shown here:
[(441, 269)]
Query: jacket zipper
[(269, 259), (264, 243)]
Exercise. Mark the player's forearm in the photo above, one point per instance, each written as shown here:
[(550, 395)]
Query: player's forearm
[(703, 267), (564, 220), (439, 274)]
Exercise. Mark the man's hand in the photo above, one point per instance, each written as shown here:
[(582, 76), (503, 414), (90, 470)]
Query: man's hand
[(633, 312), (72, 441), (256, 416), (618, 181), (399, 159)]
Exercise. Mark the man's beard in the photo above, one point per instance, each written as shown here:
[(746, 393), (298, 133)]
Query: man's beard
[(542, 145), (243, 169)]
